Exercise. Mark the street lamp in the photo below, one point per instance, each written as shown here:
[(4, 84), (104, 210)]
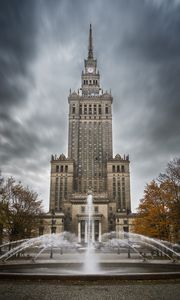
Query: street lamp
[(53, 221)]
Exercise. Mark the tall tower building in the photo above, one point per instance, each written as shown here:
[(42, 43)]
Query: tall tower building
[(90, 129), (90, 164)]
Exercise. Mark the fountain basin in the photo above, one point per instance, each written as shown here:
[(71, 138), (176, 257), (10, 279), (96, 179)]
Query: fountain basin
[(68, 269), (59, 256)]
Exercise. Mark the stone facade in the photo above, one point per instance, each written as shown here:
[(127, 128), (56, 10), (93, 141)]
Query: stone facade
[(51, 223), (90, 164)]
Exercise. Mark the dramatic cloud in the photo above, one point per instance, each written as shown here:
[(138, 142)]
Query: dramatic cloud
[(43, 45)]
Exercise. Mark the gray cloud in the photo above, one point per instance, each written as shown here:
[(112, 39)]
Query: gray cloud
[(17, 32), (43, 45)]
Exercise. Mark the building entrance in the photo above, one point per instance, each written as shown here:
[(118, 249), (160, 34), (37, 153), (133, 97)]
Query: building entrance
[(94, 231)]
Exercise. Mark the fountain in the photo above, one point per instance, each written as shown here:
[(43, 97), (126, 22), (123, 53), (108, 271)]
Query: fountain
[(91, 262), (118, 254)]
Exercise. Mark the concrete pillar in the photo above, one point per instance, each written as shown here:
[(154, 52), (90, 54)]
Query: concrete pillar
[(86, 233), (93, 231), (99, 231), (79, 232)]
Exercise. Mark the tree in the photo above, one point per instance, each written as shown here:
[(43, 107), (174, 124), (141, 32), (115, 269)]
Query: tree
[(20, 210), (159, 211), (172, 175), (4, 211), (153, 212)]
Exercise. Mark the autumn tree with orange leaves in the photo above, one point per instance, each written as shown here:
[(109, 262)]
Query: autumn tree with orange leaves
[(158, 213)]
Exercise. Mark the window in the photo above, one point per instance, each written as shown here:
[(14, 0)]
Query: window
[(96, 209), (62, 168), (73, 109), (85, 109), (113, 169), (83, 209), (53, 229), (65, 188), (118, 168), (99, 109), (41, 230), (122, 169), (95, 111), (125, 229), (96, 229), (114, 187), (57, 168), (66, 169), (106, 109), (80, 109)]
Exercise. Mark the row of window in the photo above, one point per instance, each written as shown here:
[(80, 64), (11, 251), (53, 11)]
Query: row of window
[(91, 117), (95, 209), (125, 222), (118, 169), (97, 186), (90, 82), (88, 124), (90, 109), (60, 190), (61, 169)]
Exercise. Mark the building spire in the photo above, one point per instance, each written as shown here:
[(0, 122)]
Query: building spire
[(90, 47)]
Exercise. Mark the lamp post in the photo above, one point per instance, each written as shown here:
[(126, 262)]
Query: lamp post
[(53, 221)]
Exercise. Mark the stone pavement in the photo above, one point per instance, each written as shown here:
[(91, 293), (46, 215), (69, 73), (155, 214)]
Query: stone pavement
[(52, 290)]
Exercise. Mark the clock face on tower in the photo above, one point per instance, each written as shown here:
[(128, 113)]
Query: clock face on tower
[(90, 70)]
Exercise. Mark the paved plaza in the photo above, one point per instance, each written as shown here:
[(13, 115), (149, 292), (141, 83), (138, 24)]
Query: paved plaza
[(127, 290)]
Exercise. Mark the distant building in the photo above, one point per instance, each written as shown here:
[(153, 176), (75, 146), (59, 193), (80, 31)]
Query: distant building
[(90, 165)]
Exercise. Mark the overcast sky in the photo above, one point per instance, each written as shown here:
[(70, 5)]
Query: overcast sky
[(42, 49)]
